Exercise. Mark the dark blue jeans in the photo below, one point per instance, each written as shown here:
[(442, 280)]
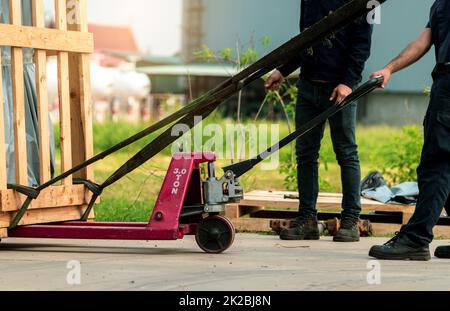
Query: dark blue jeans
[(313, 99), (434, 169)]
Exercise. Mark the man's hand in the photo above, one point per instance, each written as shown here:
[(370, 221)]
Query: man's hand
[(274, 82), (340, 93), (386, 73)]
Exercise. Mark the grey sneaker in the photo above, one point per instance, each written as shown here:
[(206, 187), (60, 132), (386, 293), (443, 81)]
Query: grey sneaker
[(303, 228), (349, 231)]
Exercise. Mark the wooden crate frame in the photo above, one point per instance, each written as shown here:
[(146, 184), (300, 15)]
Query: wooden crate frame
[(257, 201), (72, 44)]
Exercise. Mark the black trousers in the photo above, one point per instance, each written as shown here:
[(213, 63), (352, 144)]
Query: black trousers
[(434, 169), (314, 99)]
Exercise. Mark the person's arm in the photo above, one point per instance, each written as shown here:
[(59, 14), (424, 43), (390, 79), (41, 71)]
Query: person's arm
[(277, 77), (290, 67), (359, 52), (415, 51)]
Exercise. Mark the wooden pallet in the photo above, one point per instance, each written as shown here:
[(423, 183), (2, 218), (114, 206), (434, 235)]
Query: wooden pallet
[(258, 208), (72, 44)]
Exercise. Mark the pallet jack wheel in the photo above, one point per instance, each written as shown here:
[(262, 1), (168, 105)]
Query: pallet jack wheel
[(215, 234)]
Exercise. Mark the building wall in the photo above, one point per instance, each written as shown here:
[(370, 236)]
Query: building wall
[(391, 108)]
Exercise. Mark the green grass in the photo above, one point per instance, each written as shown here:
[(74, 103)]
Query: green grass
[(133, 197), (121, 209)]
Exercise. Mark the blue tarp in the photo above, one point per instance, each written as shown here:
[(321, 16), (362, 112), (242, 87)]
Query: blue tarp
[(405, 193)]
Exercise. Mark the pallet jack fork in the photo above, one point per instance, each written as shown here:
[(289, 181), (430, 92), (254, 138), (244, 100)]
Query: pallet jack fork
[(186, 205)]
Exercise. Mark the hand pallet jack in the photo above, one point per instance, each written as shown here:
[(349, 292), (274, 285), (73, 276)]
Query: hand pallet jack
[(187, 205), (179, 210)]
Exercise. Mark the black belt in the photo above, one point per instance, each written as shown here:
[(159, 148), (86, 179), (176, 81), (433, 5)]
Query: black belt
[(441, 69)]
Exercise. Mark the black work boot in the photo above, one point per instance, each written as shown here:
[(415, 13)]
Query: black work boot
[(401, 248), (349, 231), (443, 252), (303, 228)]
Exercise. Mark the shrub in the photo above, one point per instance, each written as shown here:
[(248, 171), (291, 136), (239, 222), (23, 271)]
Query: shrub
[(289, 170), (403, 158)]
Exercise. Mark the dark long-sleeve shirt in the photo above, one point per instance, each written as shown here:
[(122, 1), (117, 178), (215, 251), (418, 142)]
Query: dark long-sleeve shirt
[(340, 59), (440, 27)]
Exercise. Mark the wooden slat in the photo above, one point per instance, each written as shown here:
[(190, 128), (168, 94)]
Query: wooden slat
[(42, 97), (86, 111), (82, 15), (60, 14), (15, 12), (3, 233), (43, 115), (280, 195), (64, 108), (18, 97), (283, 193), (45, 216), (46, 39), (38, 13), (64, 95), (325, 202), (3, 173), (81, 106), (59, 196)]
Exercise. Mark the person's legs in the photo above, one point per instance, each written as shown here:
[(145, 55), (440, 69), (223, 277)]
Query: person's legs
[(434, 187), (305, 226), (308, 148), (434, 170), (343, 134), (434, 183)]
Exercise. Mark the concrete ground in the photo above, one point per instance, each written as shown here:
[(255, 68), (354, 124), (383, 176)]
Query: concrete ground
[(255, 262)]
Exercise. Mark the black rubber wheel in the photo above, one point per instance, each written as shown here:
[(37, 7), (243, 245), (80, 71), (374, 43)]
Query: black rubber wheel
[(215, 234)]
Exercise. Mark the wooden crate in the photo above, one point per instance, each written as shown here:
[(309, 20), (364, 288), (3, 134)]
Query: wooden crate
[(258, 208), (72, 44)]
